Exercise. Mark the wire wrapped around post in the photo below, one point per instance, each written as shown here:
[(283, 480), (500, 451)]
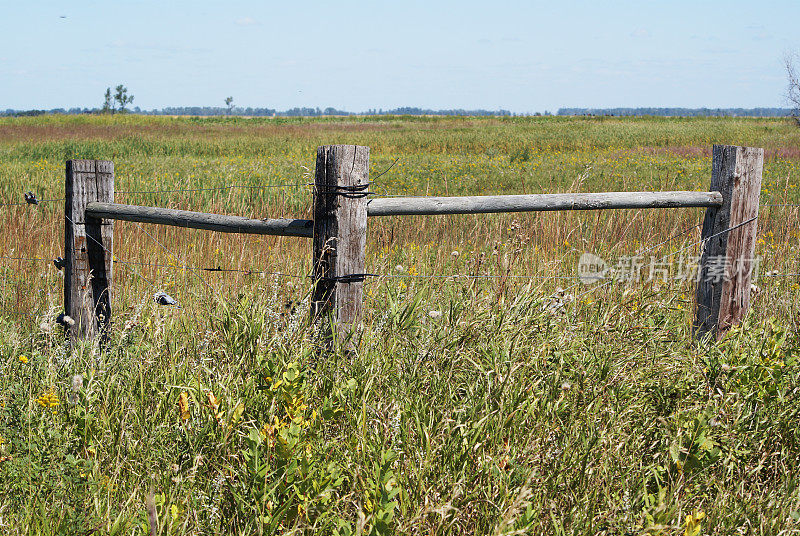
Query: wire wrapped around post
[(729, 241), (340, 235), (88, 247)]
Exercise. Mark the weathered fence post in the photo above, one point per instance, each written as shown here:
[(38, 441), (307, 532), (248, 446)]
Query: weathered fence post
[(341, 182), (88, 248), (727, 259)]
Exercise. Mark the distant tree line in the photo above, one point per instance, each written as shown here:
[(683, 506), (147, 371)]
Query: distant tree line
[(680, 112), (209, 110), (405, 110), (69, 111), (261, 112)]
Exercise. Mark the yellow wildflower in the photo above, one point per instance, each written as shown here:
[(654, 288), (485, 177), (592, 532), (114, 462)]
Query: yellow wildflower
[(23, 358), (48, 400)]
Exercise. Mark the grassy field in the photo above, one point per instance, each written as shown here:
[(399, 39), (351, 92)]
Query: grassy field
[(518, 401)]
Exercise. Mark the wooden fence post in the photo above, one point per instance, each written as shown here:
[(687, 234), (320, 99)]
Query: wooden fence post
[(727, 259), (341, 182), (88, 248)]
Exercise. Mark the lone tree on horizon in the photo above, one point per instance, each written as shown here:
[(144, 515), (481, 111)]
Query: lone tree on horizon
[(122, 97), (229, 104)]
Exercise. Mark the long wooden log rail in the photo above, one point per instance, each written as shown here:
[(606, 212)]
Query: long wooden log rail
[(338, 230), (200, 220)]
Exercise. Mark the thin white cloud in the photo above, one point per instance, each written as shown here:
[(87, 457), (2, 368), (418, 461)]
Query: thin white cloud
[(640, 33), (246, 21)]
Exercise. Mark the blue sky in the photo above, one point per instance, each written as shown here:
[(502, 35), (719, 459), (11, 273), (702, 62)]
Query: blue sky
[(521, 56)]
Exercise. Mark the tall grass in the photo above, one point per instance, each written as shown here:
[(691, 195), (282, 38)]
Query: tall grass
[(489, 405)]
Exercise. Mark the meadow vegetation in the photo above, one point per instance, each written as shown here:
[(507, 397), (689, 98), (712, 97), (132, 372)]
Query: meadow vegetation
[(514, 401)]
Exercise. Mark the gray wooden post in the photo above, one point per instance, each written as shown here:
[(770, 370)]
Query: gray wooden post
[(88, 247), (728, 257), (340, 234)]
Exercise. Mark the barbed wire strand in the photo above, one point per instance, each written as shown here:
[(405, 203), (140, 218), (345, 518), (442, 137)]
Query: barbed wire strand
[(25, 203), (520, 276), (134, 270), (131, 192), (93, 239), (710, 237), (216, 188), (699, 242), (175, 258), (640, 253), (385, 171), (189, 267), (171, 266), (31, 259), (466, 276)]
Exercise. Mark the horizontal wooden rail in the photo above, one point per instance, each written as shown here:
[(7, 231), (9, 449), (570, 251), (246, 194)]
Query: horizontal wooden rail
[(201, 220), (407, 206)]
